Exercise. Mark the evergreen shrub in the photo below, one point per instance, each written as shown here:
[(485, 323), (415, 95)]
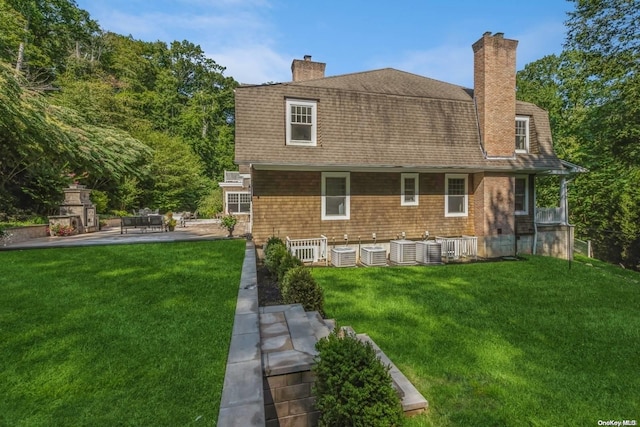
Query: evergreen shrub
[(299, 287), (273, 255), (353, 387), (287, 262)]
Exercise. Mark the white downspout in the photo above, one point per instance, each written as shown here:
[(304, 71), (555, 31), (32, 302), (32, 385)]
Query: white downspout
[(535, 216)]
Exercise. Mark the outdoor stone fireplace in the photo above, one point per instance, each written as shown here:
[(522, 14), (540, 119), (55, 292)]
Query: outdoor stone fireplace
[(76, 210)]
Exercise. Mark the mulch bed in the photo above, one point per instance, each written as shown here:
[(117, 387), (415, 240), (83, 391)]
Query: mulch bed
[(268, 290)]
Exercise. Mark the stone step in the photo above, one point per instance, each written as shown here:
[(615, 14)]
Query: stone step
[(320, 328)]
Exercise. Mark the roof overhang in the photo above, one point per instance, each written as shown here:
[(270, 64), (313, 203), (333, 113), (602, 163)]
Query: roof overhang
[(393, 168), (568, 168)]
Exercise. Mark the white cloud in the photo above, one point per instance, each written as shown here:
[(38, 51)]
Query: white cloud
[(448, 63), (253, 64)]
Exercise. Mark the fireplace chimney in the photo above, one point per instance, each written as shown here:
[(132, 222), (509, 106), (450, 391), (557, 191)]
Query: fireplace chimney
[(494, 79), (306, 69)]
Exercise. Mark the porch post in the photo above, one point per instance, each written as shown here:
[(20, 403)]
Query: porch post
[(564, 203)]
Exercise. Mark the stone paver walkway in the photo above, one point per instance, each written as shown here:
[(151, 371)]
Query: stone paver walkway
[(194, 230)]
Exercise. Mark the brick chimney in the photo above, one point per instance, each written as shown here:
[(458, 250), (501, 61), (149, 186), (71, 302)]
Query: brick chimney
[(494, 79), (306, 69)]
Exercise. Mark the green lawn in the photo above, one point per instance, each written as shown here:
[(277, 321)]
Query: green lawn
[(535, 342), (116, 335)]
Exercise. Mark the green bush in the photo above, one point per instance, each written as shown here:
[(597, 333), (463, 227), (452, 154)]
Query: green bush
[(273, 256), (273, 240), (352, 387), (100, 199), (287, 262), (298, 286), (211, 203)]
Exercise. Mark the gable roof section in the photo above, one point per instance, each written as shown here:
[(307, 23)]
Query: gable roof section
[(378, 119)]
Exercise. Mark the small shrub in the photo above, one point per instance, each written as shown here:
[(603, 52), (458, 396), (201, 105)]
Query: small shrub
[(273, 254), (228, 222), (287, 262), (299, 286), (352, 387), (273, 240)]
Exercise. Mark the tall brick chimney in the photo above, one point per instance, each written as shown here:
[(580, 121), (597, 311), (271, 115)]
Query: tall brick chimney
[(494, 79), (306, 69)]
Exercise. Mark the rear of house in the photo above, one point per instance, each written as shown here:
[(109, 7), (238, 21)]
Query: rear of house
[(383, 154)]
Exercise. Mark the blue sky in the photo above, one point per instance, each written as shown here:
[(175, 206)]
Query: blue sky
[(256, 40)]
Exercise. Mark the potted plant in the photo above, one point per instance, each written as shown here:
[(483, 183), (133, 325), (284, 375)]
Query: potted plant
[(229, 223), (170, 222)]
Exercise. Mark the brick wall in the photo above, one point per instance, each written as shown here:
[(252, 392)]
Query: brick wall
[(307, 69), (495, 92), (498, 205), (288, 401)]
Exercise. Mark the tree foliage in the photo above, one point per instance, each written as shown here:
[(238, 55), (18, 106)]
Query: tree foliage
[(591, 92), (148, 124)]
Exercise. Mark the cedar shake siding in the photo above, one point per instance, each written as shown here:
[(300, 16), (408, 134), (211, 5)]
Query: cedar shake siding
[(288, 203)]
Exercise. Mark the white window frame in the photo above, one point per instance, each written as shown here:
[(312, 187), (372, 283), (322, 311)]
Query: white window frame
[(239, 203), (403, 178), (314, 120), (524, 119), (447, 177), (347, 207), (526, 194)]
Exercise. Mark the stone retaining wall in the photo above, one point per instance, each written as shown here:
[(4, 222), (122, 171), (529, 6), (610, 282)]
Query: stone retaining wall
[(22, 234)]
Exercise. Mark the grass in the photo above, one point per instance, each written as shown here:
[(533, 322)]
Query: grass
[(529, 342), (116, 335)]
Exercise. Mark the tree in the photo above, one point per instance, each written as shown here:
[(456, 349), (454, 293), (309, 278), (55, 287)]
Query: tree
[(177, 180), (51, 29), (607, 35), (591, 92)]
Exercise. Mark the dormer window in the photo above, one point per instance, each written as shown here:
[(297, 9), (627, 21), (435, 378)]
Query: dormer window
[(301, 122), (522, 134)]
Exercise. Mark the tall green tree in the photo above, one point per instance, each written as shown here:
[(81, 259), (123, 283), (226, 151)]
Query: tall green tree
[(51, 30), (591, 92)]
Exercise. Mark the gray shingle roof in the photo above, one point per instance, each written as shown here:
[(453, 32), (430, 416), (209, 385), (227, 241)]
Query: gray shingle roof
[(379, 119)]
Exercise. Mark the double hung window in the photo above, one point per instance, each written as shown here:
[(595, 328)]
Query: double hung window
[(456, 199), (301, 122), (409, 189), (521, 195), (522, 134), (336, 196)]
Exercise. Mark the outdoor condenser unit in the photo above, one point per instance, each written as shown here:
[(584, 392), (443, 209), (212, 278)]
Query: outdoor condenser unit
[(428, 252), (402, 252), (373, 256), (343, 257)]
